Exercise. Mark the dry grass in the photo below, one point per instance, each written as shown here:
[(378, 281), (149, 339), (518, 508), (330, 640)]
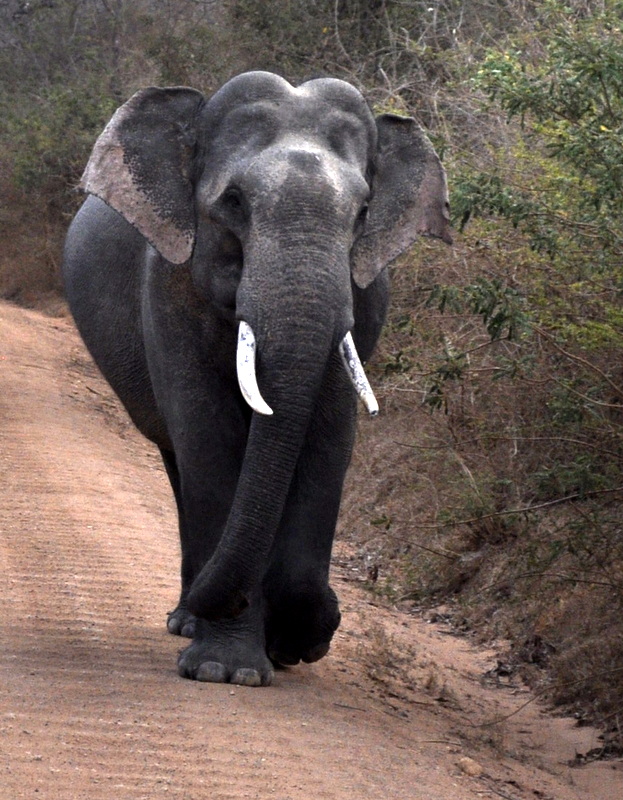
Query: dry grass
[(428, 497), (32, 240)]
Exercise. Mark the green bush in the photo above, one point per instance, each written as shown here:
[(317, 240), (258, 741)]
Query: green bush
[(559, 184)]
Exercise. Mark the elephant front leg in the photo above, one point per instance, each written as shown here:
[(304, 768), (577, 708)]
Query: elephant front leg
[(203, 480), (302, 611), (180, 621), (229, 651)]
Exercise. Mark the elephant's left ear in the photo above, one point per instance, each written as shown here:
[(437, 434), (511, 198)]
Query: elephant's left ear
[(141, 165), (409, 198)]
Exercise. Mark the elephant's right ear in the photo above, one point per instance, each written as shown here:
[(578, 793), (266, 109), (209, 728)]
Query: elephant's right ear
[(141, 165)]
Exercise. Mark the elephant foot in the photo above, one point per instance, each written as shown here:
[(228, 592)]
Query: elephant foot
[(181, 622), (226, 652), (301, 625)]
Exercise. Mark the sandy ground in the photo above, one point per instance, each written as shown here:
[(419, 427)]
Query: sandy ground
[(91, 705)]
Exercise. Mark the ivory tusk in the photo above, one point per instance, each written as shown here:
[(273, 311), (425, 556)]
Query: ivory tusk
[(355, 371), (245, 366)]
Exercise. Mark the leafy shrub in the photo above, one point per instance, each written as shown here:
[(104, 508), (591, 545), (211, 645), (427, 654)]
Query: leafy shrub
[(514, 347)]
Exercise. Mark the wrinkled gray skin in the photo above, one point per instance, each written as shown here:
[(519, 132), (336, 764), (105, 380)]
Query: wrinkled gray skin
[(281, 207)]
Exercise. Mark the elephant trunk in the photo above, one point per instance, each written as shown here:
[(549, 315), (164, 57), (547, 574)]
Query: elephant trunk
[(295, 342)]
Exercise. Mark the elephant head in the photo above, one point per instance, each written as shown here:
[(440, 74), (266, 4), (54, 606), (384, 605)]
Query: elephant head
[(276, 199)]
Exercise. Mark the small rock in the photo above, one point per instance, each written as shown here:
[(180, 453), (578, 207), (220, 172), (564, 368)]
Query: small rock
[(470, 767)]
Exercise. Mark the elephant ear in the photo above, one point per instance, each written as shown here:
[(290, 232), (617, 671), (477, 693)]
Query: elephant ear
[(409, 198), (141, 166)]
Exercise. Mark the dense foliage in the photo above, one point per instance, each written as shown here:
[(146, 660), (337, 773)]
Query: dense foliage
[(557, 181), (528, 367)]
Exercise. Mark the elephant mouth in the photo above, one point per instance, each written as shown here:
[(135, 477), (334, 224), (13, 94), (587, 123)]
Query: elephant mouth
[(247, 379)]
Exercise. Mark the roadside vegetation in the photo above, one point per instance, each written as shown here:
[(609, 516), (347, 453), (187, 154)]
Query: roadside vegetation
[(493, 482)]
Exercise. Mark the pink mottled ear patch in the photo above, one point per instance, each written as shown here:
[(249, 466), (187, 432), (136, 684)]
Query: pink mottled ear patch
[(144, 182)]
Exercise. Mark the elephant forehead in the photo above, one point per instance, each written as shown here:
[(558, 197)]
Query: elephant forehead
[(304, 124), (296, 112), (252, 86), (291, 166), (338, 93), (296, 159), (259, 106)]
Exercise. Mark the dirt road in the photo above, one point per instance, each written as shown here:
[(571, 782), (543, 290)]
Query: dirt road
[(90, 702)]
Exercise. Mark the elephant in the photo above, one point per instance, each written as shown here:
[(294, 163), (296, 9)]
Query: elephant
[(227, 272)]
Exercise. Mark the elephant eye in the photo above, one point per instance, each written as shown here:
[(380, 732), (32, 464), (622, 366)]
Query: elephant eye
[(230, 209), (361, 217), (232, 199)]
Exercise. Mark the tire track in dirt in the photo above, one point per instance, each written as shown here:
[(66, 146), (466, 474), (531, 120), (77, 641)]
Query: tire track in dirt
[(90, 702)]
